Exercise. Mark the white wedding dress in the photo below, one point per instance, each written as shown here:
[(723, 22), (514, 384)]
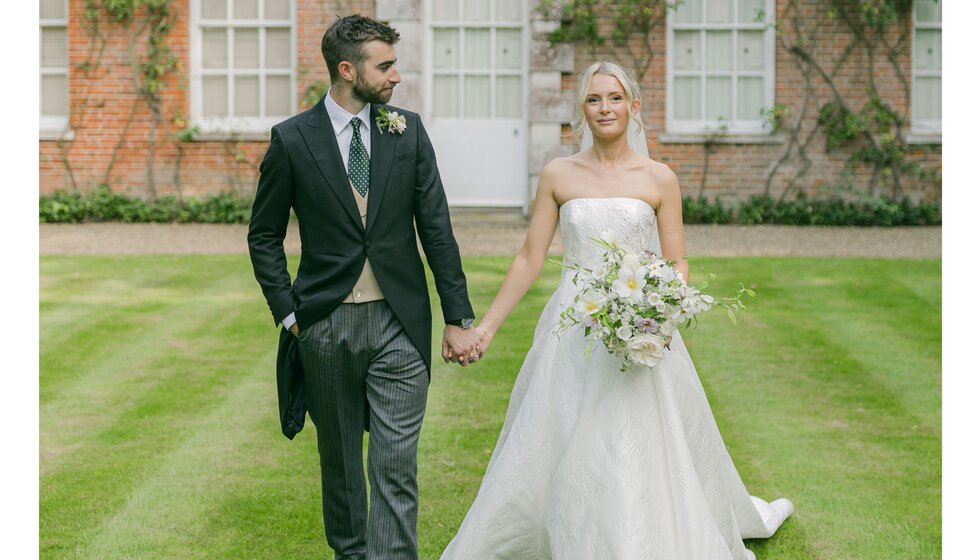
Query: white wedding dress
[(596, 464)]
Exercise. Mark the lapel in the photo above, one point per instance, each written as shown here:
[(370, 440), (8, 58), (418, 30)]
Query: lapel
[(382, 154), (320, 138)]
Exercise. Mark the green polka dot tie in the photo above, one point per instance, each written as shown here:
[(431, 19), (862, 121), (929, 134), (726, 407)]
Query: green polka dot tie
[(358, 163)]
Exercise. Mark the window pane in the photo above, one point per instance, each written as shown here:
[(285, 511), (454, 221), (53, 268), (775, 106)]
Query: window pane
[(509, 97), (476, 90), (509, 53), (246, 48), (718, 99), (54, 47), (687, 50), (215, 96), (445, 9), (54, 96), (928, 98), (751, 98), (476, 10), (718, 50), (750, 11), (719, 11), (508, 10), (277, 48), (247, 96), (928, 49), (751, 50), (215, 53), (246, 9), (277, 96), (53, 9), (477, 48), (445, 98), (213, 9), (689, 12), (928, 11), (445, 52), (276, 9), (687, 98)]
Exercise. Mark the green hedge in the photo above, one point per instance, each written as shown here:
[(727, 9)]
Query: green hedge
[(803, 211), (103, 205)]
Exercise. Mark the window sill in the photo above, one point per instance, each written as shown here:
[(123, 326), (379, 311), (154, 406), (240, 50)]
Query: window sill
[(52, 135), (934, 138), (734, 138), (232, 136)]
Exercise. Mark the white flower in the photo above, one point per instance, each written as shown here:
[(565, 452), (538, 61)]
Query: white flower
[(624, 332), (590, 303), (390, 121), (609, 237), (632, 279), (599, 272), (646, 349), (664, 272)]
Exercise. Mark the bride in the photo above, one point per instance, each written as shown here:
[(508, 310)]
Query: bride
[(593, 463)]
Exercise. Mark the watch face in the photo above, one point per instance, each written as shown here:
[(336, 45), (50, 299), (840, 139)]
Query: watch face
[(466, 323)]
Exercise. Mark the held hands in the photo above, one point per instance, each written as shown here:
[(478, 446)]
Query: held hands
[(464, 346)]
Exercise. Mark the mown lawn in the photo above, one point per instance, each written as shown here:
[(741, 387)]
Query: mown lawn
[(160, 439)]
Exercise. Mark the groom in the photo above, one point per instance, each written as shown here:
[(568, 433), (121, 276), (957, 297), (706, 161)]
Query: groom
[(355, 348)]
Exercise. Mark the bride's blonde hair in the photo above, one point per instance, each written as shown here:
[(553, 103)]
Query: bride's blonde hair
[(608, 69)]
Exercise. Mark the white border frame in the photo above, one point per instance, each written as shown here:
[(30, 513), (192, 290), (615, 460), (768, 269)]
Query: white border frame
[(54, 126), (927, 127), (705, 126), (235, 127)]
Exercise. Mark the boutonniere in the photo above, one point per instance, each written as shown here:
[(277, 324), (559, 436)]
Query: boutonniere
[(390, 121)]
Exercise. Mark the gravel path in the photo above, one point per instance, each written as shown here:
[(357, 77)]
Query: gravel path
[(480, 234)]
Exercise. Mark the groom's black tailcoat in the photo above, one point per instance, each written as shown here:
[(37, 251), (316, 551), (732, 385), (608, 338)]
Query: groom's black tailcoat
[(303, 170)]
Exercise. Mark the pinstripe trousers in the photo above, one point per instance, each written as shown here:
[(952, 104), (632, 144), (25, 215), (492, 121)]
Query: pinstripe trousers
[(362, 371)]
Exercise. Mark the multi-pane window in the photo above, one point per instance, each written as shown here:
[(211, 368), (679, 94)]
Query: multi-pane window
[(243, 64), (927, 66), (720, 65), (478, 58), (54, 64)]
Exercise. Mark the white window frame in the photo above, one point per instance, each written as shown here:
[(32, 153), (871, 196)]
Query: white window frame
[(924, 126), (53, 125), (759, 126), (237, 127), (461, 25)]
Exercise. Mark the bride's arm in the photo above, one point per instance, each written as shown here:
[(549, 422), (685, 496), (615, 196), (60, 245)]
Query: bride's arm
[(526, 266), (670, 221)]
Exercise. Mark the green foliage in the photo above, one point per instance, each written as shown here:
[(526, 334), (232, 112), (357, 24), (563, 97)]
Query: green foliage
[(104, 205), (314, 92), (817, 211)]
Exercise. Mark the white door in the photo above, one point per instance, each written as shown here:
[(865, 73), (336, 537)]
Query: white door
[(476, 99)]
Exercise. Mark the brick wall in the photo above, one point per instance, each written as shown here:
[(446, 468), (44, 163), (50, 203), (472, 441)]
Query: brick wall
[(105, 149), (736, 171)]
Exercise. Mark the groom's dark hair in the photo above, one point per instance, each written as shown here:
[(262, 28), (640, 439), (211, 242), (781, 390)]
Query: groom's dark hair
[(345, 38)]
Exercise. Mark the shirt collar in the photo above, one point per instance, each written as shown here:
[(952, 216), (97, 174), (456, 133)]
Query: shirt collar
[(339, 116)]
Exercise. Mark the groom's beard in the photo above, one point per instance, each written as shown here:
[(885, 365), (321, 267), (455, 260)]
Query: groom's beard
[(367, 94)]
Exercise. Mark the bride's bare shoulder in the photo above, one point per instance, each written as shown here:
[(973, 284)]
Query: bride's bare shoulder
[(662, 176), (562, 169)]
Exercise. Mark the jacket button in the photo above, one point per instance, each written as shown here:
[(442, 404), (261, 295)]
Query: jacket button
[(367, 244)]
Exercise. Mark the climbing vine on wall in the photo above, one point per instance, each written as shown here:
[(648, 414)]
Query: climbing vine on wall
[(866, 127)]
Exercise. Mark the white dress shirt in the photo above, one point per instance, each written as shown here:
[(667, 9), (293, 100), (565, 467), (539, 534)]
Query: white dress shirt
[(340, 119)]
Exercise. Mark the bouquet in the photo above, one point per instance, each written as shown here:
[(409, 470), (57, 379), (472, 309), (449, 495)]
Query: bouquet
[(634, 304)]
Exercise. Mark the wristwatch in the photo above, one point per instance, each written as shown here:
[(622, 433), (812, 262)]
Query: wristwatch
[(466, 323)]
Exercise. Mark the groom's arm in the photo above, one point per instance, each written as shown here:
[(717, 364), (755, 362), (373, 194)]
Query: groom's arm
[(436, 233), (267, 228)]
